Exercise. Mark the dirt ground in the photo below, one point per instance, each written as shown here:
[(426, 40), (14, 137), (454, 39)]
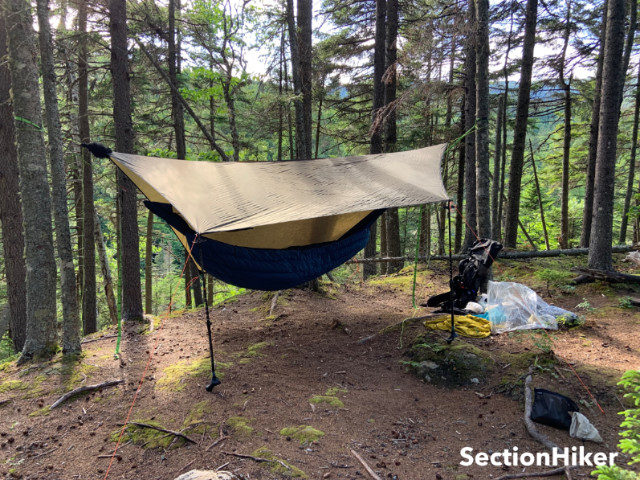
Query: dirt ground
[(304, 367)]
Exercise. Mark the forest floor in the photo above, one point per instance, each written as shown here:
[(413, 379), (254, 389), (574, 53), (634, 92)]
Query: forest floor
[(303, 366)]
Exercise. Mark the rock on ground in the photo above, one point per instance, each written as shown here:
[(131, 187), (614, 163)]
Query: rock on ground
[(207, 475)]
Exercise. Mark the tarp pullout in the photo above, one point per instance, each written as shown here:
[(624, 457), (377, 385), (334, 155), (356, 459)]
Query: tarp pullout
[(274, 225)]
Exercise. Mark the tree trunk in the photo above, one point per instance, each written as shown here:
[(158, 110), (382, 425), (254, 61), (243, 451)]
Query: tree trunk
[(177, 111), (148, 266), (10, 208), (460, 189), (520, 129), (68, 288), (188, 301), (587, 214), (319, 122), (600, 254), (106, 271), (89, 303), (390, 132), (280, 99), (384, 251), (41, 335), (566, 149), (535, 177), (131, 294), (495, 188), (483, 181), (305, 14), (295, 74), (505, 103), (632, 165), (425, 231), (375, 143), (195, 285), (469, 127)]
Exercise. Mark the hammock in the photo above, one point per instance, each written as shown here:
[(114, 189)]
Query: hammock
[(275, 225)]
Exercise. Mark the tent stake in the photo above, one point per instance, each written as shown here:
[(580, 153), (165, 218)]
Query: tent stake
[(214, 379), (453, 323)]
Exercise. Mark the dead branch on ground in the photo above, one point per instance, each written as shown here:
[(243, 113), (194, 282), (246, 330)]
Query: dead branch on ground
[(164, 430), (85, 388), (366, 466)]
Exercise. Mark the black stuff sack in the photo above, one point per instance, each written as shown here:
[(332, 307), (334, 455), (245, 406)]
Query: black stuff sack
[(553, 409)]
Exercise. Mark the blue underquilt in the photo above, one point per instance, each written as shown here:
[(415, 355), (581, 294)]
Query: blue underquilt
[(267, 268)]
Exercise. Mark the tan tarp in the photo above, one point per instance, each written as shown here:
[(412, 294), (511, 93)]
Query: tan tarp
[(283, 204)]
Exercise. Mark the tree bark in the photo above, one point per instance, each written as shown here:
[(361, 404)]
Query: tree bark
[(41, 335), (89, 302), (148, 266), (177, 111), (483, 181), (305, 14), (390, 131), (469, 128), (131, 294), (600, 254), (106, 271), (520, 129), (587, 214), (10, 207), (68, 288)]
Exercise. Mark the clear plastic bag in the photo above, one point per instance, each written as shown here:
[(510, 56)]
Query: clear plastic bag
[(513, 306)]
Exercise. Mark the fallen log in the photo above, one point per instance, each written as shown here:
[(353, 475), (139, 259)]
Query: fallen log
[(608, 276), (507, 255), (83, 389)]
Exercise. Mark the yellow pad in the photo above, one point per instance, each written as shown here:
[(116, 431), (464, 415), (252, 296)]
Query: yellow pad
[(466, 325)]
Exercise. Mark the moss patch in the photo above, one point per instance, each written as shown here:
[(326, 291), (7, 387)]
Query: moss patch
[(277, 465), (333, 391), (148, 437), (305, 434), (455, 364), (403, 281), (174, 377), (328, 399), (240, 426), (41, 412), (12, 385)]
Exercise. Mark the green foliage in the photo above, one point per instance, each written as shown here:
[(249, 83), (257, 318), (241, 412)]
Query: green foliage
[(630, 441), (7, 353)]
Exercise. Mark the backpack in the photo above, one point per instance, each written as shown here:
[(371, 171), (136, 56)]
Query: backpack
[(473, 271)]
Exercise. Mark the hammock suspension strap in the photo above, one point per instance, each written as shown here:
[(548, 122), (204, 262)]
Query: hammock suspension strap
[(214, 379)]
